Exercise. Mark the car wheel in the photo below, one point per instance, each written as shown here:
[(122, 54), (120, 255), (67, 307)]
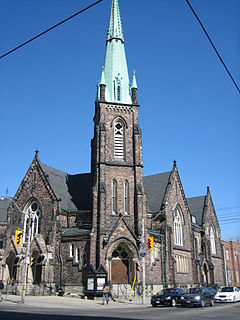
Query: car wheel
[(202, 303), (212, 303), (173, 303), (154, 305)]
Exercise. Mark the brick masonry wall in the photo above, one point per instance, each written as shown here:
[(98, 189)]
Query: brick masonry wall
[(210, 220), (35, 186)]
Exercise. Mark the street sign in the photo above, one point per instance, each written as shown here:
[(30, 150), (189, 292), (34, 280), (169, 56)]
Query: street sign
[(142, 249)]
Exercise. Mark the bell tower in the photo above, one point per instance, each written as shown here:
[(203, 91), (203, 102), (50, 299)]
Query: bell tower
[(116, 148)]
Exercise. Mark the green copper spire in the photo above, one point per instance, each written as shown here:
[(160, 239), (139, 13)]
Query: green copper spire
[(115, 68)]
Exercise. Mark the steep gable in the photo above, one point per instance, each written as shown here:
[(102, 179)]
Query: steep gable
[(196, 207), (4, 204), (155, 188), (74, 191)]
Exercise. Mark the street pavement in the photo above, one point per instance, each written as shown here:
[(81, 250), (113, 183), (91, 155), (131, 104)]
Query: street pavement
[(70, 308)]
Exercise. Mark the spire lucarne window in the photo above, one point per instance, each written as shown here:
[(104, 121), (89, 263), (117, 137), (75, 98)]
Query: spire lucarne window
[(119, 140)]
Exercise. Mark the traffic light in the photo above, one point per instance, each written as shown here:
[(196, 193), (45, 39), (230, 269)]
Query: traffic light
[(138, 266), (150, 243), (18, 238)]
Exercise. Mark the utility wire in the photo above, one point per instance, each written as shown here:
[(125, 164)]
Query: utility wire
[(215, 49), (49, 29)]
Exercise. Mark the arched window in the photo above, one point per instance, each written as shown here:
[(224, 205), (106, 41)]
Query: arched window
[(119, 140), (114, 197), (178, 227), (212, 241), (126, 197), (32, 220)]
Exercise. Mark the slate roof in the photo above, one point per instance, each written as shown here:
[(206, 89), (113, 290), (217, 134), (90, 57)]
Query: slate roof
[(196, 206), (73, 190), (155, 188), (74, 232), (4, 204)]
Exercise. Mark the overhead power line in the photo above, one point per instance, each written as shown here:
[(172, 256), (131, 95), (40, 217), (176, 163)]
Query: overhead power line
[(215, 49), (50, 29)]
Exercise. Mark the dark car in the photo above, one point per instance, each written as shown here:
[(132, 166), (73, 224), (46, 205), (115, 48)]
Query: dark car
[(212, 290), (167, 297), (198, 297)]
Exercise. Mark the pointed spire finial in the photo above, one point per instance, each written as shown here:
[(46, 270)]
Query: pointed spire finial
[(174, 163), (36, 152), (115, 67), (115, 25), (134, 81), (102, 81)]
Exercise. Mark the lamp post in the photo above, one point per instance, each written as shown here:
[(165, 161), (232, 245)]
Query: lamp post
[(27, 258)]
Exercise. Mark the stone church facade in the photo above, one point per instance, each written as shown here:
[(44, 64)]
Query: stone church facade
[(76, 223)]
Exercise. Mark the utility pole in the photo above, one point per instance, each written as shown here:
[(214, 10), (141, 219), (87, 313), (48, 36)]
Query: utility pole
[(143, 262), (27, 259)]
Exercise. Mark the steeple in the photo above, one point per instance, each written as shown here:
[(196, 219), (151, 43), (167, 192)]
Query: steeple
[(115, 67)]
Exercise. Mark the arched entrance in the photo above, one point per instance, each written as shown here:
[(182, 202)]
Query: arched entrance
[(36, 264), (121, 265), (12, 262)]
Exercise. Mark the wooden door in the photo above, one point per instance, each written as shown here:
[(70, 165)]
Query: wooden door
[(120, 270)]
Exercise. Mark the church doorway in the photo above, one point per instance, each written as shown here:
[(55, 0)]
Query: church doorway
[(12, 262), (120, 265), (36, 266)]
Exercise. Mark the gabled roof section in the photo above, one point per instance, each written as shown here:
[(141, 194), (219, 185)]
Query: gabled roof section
[(74, 191), (74, 232), (196, 207), (4, 205), (155, 187), (121, 221)]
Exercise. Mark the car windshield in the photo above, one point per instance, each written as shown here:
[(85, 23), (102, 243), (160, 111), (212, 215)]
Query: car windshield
[(167, 291), (227, 289), (195, 290)]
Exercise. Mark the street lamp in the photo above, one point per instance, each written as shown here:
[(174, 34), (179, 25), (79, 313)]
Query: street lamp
[(27, 215)]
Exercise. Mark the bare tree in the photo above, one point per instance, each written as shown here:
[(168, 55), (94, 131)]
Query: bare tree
[(235, 238)]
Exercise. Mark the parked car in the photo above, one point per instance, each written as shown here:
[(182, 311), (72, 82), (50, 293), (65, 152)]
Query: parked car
[(198, 297), (167, 297), (228, 294), (212, 290)]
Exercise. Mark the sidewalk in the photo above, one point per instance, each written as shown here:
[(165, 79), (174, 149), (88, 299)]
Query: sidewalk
[(67, 302)]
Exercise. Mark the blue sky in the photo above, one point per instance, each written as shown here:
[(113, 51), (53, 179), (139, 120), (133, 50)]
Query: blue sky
[(189, 108)]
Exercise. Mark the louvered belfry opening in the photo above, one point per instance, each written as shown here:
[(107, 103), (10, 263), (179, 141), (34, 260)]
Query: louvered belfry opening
[(119, 140)]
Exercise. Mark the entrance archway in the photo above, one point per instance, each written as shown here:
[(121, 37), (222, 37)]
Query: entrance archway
[(12, 262), (36, 266), (121, 265)]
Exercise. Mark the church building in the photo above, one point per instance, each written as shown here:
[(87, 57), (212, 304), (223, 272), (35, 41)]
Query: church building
[(100, 221)]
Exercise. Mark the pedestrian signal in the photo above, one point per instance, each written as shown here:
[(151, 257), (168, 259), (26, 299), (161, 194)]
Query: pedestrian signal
[(138, 266), (150, 243), (18, 237)]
